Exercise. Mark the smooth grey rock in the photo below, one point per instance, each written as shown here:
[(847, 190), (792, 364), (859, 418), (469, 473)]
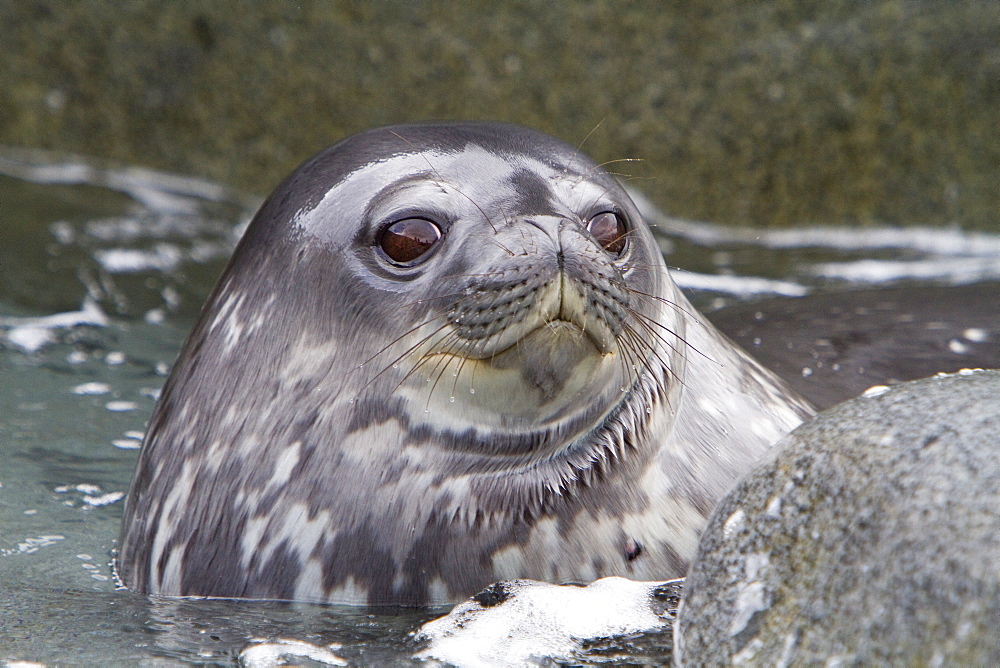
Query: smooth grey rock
[(869, 535)]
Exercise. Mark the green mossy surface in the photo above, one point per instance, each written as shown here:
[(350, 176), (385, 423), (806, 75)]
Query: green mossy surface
[(768, 113)]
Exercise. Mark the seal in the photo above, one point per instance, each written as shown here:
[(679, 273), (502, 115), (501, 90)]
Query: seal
[(441, 356)]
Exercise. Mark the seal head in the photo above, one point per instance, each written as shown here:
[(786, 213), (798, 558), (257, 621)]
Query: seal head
[(441, 356)]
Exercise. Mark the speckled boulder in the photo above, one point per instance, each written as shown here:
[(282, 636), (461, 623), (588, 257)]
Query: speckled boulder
[(870, 535)]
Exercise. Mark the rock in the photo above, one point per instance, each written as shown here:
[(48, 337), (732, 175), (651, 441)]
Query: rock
[(525, 622), (869, 535)]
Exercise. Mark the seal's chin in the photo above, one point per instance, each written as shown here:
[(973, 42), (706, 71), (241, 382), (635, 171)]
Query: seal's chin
[(548, 357), (554, 372)]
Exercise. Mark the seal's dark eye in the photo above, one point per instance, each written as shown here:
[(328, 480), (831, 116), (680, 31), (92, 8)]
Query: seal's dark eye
[(609, 230), (406, 240)]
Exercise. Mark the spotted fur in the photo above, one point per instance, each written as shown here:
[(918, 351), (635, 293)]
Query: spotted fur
[(522, 404)]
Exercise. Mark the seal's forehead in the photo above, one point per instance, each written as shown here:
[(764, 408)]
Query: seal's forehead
[(483, 161), (500, 138), (505, 140), (521, 181), (308, 185)]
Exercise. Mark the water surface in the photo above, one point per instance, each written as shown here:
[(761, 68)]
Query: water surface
[(102, 274)]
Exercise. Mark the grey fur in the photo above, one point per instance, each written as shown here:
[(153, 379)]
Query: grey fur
[(320, 437)]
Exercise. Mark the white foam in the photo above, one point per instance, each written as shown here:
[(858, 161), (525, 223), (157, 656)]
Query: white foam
[(31, 334), (954, 269), (91, 388), (743, 286), (539, 621), (936, 241), (30, 339), (158, 191), (104, 499), (164, 257), (266, 653)]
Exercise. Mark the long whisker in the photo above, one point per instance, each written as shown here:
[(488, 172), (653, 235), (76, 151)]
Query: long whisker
[(653, 323), (579, 146), (635, 336), (594, 168), (440, 367), (406, 353), (663, 300), (442, 183)]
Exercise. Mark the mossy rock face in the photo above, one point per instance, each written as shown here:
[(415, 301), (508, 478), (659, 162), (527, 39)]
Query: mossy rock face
[(870, 536), (769, 113)]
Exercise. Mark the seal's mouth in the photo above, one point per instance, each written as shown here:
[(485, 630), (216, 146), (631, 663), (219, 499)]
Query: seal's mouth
[(551, 334), (544, 375)]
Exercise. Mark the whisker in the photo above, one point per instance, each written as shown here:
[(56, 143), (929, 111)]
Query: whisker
[(593, 169), (633, 177), (647, 362), (579, 147), (663, 300), (650, 326), (458, 372), (394, 363), (687, 345), (611, 162), (443, 184), (442, 365)]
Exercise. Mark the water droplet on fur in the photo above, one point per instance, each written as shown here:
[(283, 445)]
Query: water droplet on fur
[(395, 366), (622, 389), (451, 399), (649, 410), (472, 390)]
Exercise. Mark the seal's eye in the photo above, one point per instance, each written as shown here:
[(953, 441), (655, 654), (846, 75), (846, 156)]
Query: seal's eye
[(609, 230), (406, 240)]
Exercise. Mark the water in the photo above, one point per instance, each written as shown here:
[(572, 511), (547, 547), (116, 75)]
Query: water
[(102, 274)]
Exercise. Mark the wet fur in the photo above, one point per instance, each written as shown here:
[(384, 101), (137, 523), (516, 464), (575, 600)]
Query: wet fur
[(317, 439)]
